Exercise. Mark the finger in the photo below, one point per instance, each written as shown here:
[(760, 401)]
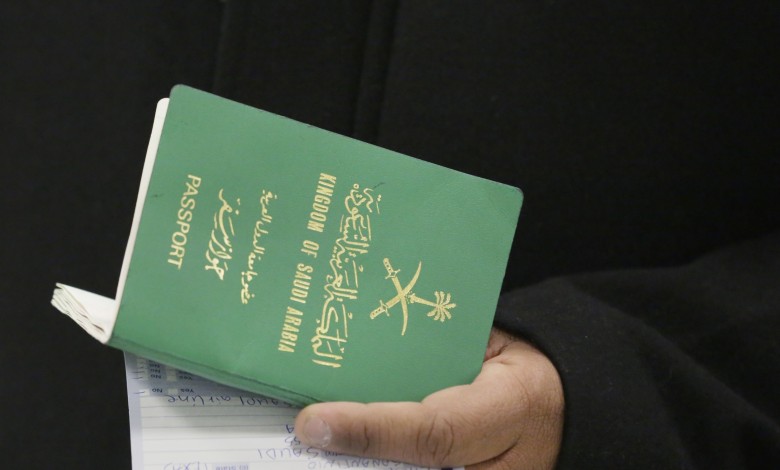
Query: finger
[(456, 426), (408, 432), (498, 340)]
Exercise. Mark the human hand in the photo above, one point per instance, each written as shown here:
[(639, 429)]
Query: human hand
[(510, 417)]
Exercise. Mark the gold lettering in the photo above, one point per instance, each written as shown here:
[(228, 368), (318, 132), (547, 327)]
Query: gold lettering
[(186, 215), (299, 295), (186, 203), (315, 226), (179, 240), (195, 180), (289, 336), (321, 204), (183, 219), (318, 216), (325, 191), (184, 227), (335, 365), (220, 245), (310, 248), (294, 311), (327, 180), (178, 252), (329, 342), (301, 284), (320, 199), (258, 251), (303, 270)]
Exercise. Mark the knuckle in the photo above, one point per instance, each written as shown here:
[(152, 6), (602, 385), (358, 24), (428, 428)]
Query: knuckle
[(436, 440), (367, 438)]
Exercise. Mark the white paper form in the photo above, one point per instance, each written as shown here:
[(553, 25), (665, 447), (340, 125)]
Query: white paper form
[(179, 421)]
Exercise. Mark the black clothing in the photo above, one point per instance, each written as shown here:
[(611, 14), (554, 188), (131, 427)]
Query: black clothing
[(664, 368), (642, 134)]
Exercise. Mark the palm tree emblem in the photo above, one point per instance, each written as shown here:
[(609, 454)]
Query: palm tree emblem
[(441, 308), (404, 296)]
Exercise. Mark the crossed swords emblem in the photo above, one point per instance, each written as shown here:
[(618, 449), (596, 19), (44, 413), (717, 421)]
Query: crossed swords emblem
[(405, 296)]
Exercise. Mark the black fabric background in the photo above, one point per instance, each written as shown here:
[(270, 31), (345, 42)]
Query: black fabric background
[(642, 134)]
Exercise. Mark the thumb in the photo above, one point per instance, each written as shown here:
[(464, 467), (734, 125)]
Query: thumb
[(456, 426), (407, 432)]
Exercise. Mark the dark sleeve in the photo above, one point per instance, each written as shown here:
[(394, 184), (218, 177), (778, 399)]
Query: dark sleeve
[(664, 368)]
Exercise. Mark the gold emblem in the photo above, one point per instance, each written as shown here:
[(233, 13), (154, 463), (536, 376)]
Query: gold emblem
[(405, 296)]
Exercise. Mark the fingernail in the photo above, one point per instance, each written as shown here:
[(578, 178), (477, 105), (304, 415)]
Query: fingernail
[(317, 432)]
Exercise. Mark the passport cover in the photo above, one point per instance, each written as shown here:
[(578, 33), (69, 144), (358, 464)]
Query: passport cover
[(294, 262)]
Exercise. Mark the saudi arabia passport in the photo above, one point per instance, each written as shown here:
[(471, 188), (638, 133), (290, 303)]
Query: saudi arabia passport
[(284, 259)]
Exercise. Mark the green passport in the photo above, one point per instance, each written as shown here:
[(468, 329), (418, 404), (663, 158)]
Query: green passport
[(287, 260)]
